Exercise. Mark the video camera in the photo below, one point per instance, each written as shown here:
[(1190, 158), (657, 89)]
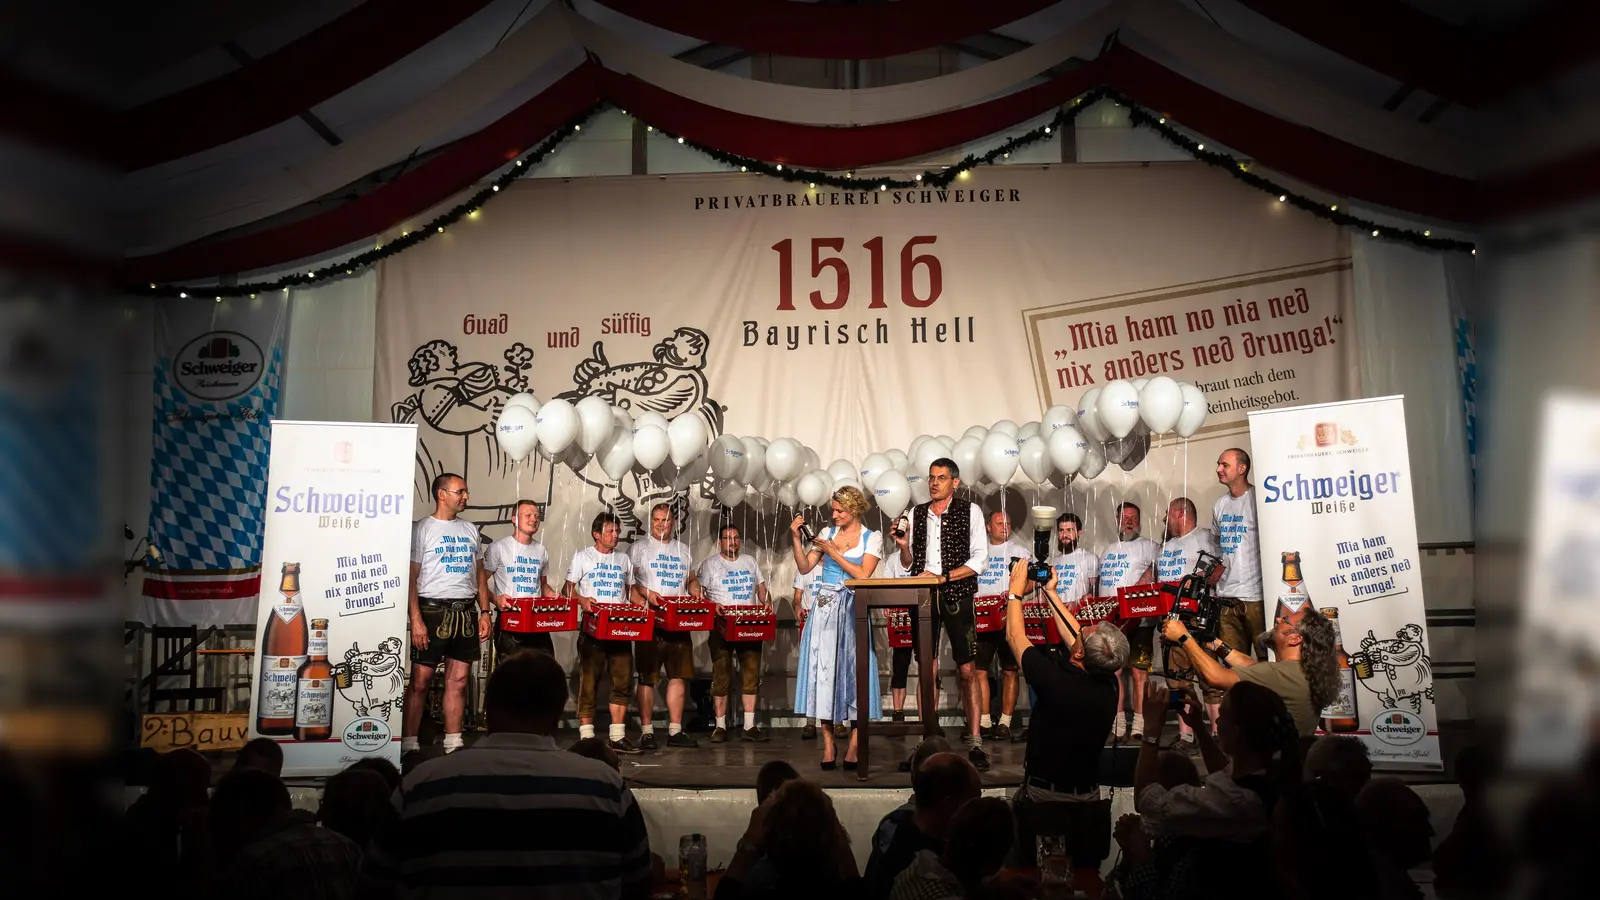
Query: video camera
[(1044, 524), (1197, 608)]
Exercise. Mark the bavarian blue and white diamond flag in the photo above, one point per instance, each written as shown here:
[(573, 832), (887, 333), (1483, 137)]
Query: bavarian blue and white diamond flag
[(217, 374)]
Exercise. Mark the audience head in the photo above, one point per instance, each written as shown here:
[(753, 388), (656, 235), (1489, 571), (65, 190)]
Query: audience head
[(802, 832), (526, 694), (1254, 726), (1474, 771), (385, 769), (772, 776), (1176, 769), (245, 805), (1396, 822), (1104, 649), (356, 804), (942, 784), (981, 834), (599, 749), (261, 753), (928, 747), (179, 780), (1339, 762)]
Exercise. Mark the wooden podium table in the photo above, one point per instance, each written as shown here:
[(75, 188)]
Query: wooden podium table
[(918, 594)]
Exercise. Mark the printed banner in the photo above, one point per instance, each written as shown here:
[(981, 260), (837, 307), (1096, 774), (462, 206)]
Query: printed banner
[(331, 624), (217, 372), (1339, 532)]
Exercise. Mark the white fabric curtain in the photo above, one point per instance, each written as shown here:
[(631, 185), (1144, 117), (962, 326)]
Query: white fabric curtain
[(328, 371), (1407, 346)]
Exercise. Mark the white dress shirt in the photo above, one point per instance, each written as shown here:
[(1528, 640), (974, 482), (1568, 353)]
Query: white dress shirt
[(977, 542), (1220, 809)]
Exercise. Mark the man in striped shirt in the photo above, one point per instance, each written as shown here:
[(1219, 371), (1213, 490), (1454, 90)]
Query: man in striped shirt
[(515, 816)]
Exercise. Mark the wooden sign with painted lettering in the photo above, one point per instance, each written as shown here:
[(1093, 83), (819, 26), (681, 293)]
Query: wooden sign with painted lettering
[(203, 732)]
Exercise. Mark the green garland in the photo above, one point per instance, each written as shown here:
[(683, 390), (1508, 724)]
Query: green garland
[(942, 177)]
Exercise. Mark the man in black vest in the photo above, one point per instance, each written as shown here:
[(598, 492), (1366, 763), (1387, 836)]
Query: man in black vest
[(947, 540)]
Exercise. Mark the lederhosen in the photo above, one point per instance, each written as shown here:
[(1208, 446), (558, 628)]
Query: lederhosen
[(955, 605)]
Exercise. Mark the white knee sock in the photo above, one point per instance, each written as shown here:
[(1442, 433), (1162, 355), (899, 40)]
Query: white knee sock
[(408, 744), (585, 732), (452, 743), (1006, 720), (984, 720), (674, 728), (618, 732), (722, 722)]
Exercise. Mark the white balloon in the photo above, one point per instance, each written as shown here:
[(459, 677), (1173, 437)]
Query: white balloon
[(1115, 450), (1089, 416), (919, 488), (762, 482), (1119, 408), (872, 467), (1060, 480), (687, 436), (893, 493), (1194, 410), (1005, 425), (623, 420), (898, 460), (515, 431), (785, 459), (1067, 447), (650, 446), (841, 469), (727, 457), (977, 431), (916, 444), (965, 455), (595, 423), (694, 472), (926, 454), (1056, 417), (946, 441), (616, 457), (730, 493), (524, 399), (558, 426), (999, 455), (1138, 447), (1028, 430), (1033, 457), (1160, 404), (811, 489), (576, 458), (786, 493), (841, 483), (1139, 383), (755, 462), (1094, 462), (813, 461), (649, 417)]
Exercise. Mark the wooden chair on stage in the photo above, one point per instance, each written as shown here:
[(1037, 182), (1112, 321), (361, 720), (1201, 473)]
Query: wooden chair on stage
[(918, 594)]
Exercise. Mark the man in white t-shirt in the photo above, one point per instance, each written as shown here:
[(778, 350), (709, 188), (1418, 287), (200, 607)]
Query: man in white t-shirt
[(1185, 542), (517, 566), (603, 575), (663, 567), (1131, 560), (1077, 569), (731, 578), (994, 581), (1234, 519), (803, 584), (449, 610)]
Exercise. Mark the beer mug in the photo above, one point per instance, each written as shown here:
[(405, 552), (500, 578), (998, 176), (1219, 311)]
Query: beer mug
[(343, 678), (1361, 665)]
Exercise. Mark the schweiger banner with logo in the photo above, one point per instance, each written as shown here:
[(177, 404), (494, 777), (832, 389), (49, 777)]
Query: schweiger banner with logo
[(217, 373), (1339, 532), (331, 630), (854, 321)]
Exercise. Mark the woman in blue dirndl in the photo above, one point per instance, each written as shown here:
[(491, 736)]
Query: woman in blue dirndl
[(827, 687)]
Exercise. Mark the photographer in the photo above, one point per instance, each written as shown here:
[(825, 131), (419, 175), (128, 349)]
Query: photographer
[(1077, 691), (1305, 673)]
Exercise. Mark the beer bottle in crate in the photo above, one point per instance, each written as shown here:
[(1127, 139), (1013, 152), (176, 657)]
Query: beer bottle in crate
[(282, 649), (313, 705), (1340, 716)]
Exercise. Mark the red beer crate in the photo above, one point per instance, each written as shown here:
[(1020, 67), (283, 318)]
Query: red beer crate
[(1040, 624), (1146, 601), (619, 622), (1094, 610), (990, 612), (899, 628), (685, 614), (529, 615), (750, 623)]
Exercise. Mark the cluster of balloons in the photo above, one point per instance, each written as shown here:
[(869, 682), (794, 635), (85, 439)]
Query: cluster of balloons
[(1111, 424)]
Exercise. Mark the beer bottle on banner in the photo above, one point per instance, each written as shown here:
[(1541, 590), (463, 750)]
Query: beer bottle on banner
[(1340, 716), (313, 705), (282, 647), (1292, 603)]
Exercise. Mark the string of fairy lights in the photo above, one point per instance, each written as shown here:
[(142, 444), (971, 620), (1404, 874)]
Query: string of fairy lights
[(942, 176)]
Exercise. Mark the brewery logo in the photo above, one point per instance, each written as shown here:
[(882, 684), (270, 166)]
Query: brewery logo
[(344, 452), (1398, 728), (217, 366), (1398, 671), (366, 735), (1327, 434)]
